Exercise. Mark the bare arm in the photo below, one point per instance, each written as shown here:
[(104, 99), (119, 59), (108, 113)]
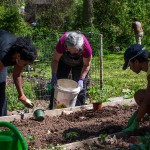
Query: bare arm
[(18, 79), (18, 83), (145, 104), (86, 67), (55, 60)]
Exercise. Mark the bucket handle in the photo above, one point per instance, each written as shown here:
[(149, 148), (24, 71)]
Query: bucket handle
[(16, 132)]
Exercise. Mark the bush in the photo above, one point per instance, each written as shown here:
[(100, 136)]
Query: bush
[(12, 21)]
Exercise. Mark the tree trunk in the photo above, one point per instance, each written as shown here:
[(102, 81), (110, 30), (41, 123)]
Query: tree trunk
[(88, 13)]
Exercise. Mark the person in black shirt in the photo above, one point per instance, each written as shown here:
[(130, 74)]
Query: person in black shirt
[(18, 52)]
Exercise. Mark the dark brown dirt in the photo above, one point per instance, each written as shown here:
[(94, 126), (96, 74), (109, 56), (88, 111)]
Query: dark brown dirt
[(78, 126)]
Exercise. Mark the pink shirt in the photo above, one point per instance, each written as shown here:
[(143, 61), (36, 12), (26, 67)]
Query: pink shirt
[(61, 46)]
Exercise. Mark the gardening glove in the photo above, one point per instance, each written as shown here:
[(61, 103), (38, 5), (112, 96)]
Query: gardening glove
[(130, 121), (132, 127), (49, 87), (54, 79), (52, 82), (26, 101), (80, 83)]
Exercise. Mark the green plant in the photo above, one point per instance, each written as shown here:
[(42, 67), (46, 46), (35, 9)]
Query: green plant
[(128, 93), (30, 138), (13, 22), (57, 147), (102, 137), (71, 135), (96, 94)]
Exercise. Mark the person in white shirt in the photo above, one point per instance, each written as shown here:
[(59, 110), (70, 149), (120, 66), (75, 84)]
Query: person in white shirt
[(138, 30)]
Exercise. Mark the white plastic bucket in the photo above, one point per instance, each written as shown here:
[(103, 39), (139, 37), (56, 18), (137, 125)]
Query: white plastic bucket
[(65, 94)]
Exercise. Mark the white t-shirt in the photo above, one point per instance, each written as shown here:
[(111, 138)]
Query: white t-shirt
[(138, 24)]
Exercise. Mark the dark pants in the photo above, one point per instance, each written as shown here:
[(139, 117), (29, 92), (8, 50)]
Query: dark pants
[(3, 100), (63, 73)]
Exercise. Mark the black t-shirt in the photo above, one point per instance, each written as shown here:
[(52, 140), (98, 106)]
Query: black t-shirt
[(6, 41)]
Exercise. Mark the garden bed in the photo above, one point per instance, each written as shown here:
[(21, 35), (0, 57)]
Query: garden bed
[(67, 126)]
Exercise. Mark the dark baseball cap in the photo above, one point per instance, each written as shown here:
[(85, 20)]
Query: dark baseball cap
[(132, 52)]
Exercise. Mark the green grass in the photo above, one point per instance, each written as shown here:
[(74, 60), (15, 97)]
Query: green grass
[(116, 82)]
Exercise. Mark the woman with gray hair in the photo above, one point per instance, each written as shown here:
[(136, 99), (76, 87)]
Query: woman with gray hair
[(73, 53), (17, 52)]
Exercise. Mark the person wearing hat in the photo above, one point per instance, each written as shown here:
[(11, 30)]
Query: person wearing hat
[(73, 53), (17, 52), (137, 58), (138, 30)]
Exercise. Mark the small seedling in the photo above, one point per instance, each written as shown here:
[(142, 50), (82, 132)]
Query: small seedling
[(128, 93), (31, 138), (71, 135), (102, 137), (57, 147)]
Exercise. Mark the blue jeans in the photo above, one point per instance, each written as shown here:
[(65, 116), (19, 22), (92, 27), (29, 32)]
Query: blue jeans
[(63, 73), (3, 99)]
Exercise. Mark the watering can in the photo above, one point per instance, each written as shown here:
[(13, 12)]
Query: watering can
[(11, 139)]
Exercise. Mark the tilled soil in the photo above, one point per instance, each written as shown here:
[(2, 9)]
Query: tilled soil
[(78, 126)]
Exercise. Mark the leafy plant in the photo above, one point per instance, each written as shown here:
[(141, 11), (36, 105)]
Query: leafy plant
[(128, 93), (13, 22), (30, 138), (57, 147), (96, 94), (102, 137), (71, 135)]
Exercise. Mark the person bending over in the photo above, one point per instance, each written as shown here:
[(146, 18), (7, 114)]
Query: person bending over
[(18, 52), (137, 58), (73, 53)]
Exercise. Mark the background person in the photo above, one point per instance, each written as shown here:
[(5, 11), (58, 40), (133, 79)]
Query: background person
[(17, 52), (73, 53), (138, 30), (137, 58)]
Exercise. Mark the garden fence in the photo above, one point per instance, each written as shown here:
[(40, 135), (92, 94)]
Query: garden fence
[(37, 75)]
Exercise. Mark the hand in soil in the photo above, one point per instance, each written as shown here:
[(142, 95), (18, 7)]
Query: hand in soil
[(26, 101)]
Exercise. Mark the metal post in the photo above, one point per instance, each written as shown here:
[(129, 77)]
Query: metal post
[(101, 61)]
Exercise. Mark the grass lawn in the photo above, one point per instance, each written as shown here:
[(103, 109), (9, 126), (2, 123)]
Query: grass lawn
[(116, 82)]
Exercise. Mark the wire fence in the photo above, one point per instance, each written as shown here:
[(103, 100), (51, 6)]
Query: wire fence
[(37, 75), (106, 76)]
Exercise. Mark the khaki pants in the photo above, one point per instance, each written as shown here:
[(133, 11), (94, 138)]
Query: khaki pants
[(138, 38)]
